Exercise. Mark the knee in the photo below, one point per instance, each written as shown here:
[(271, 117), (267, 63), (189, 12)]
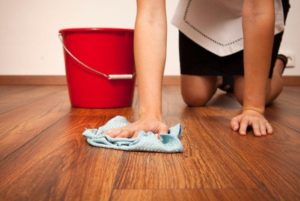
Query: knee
[(196, 90), (195, 99)]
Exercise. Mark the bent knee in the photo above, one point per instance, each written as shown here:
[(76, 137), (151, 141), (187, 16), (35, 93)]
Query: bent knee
[(195, 100), (196, 90)]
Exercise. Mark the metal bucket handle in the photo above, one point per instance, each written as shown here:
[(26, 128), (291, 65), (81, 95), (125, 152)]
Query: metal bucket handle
[(108, 76)]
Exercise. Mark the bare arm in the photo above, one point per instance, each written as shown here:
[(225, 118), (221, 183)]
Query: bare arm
[(150, 53), (150, 39), (258, 26)]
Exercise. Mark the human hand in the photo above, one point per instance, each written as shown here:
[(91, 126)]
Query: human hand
[(255, 119), (146, 123)]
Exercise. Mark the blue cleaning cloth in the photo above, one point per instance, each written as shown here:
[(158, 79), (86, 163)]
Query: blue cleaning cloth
[(145, 141)]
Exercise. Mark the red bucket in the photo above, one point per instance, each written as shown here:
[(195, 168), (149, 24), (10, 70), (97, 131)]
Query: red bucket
[(99, 66)]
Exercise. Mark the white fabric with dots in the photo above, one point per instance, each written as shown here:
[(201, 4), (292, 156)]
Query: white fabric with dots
[(216, 25)]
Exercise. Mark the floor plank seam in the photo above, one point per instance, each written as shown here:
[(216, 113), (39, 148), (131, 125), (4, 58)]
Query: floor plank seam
[(261, 184), (236, 153), (292, 128), (32, 140), (31, 102), (116, 177), (205, 188), (15, 92), (46, 157)]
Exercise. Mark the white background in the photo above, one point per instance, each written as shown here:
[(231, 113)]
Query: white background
[(29, 44)]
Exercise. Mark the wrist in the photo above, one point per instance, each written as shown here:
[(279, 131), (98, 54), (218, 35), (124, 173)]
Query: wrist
[(260, 110), (150, 114), (151, 117)]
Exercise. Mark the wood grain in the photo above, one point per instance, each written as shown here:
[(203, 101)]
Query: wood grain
[(61, 80), (58, 164), (33, 80), (43, 155), (191, 195), (22, 124), (12, 100)]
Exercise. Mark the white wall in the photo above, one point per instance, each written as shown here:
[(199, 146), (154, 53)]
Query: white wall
[(28, 30)]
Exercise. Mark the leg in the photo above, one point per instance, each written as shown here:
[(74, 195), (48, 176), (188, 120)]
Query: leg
[(197, 90), (275, 84)]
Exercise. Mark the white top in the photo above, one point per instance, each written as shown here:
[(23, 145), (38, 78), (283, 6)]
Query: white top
[(216, 25)]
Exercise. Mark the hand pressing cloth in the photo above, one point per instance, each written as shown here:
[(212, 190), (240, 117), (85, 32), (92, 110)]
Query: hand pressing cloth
[(145, 141)]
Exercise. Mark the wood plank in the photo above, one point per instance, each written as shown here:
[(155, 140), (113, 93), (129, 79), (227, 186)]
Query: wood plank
[(285, 109), (274, 159), (26, 96), (190, 195), (8, 89), (33, 80), (59, 165), (61, 80), (45, 157), (192, 169), (19, 126)]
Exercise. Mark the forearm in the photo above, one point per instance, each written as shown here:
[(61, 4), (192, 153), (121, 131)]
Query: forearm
[(150, 53), (258, 27)]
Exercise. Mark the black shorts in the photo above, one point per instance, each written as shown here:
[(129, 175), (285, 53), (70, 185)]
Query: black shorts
[(195, 60)]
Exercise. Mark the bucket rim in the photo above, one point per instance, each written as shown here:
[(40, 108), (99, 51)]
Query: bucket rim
[(94, 29)]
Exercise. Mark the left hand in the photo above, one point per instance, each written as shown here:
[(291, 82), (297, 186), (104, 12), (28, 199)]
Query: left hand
[(256, 120)]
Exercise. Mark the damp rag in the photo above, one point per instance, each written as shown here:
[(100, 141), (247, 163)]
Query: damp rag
[(145, 141)]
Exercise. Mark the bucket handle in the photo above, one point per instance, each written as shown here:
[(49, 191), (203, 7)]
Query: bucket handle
[(108, 76)]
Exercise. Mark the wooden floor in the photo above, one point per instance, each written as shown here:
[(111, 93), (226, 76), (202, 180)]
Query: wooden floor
[(43, 155)]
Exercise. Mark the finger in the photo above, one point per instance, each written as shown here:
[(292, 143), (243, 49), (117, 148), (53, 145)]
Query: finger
[(113, 132), (256, 128), (126, 134), (235, 123), (269, 128), (163, 129), (243, 126), (263, 128), (136, 133)]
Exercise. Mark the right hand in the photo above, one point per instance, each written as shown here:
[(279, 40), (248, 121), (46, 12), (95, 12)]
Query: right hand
[(255, 119), (146, 124)]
